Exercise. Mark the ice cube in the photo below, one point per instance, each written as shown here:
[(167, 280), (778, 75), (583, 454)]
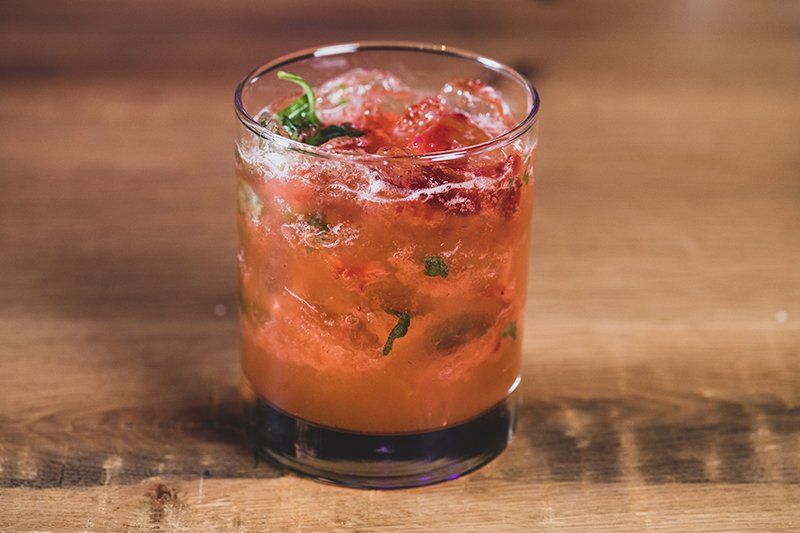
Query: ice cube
[(268, 121), (313, 232), (367, 98), (449, 131), (478, 101), (250, 205), (416, 118), (455, 332)]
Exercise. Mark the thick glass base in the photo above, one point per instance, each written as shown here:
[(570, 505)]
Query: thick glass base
[(372, 461)]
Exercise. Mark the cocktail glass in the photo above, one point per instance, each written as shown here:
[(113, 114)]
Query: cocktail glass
[(382, 294)]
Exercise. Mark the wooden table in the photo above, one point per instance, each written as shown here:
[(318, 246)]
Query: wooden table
[(662, 353)]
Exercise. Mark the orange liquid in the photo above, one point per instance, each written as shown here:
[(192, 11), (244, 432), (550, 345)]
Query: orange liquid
[(321, 270)]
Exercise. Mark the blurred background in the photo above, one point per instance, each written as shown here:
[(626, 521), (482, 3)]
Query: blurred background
[(664, 298), (117, 132)]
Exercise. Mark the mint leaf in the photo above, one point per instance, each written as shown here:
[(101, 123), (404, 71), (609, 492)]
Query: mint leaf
[(510, 331), (399, 330), (435, 266), (323, 135), (310, 99), (318, 221), (300, 117)]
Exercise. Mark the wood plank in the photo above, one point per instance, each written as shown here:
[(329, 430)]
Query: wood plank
[(294, 504)]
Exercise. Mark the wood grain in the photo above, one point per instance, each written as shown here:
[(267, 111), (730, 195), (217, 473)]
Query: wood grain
[(662, 344)]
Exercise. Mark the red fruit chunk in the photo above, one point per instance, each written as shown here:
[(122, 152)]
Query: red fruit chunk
[(416, 118), (453, 130), (505, 197)]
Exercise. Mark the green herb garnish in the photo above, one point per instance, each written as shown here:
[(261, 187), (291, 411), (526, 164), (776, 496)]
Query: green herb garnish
[(510, 331), (435, 266), (399, 330), (318, 221), (300, 117)]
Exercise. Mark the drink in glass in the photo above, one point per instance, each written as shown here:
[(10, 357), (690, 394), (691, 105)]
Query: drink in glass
[(384, 200)]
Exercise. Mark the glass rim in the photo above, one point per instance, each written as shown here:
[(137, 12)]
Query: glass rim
[(495, 142)]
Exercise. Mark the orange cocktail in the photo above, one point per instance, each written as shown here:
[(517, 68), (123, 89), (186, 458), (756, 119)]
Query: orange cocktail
[(384, 230)]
